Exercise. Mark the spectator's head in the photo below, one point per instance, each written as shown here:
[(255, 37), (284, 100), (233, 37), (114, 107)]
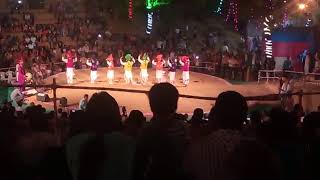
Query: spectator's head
[(318, 108), (103, 113), (163, 99), (198, 114), (86, 97), (229, 112), (255, 118), (136, 118), (134, 123)]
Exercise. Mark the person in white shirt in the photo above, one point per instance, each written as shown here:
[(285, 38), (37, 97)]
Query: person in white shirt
[(16, 96), (83, 102)]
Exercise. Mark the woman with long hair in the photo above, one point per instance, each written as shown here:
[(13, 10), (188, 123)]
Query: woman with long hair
[(101, 151)]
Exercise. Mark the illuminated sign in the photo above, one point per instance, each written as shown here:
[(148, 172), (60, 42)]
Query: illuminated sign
[(267, 37), (149, 22)]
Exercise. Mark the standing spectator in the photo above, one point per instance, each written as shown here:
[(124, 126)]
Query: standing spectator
[(207, 157), (134, 123), (164, 141), (83, 102), (100, 151)]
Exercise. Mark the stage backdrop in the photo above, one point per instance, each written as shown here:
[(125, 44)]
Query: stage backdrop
[(290, 42)]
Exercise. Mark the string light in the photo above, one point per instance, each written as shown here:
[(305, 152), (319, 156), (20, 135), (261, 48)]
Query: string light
[(130, 10), (233, 12), (219, 7), (285, 14)]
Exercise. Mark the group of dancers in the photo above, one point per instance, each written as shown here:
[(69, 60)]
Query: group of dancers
[(127, 61)]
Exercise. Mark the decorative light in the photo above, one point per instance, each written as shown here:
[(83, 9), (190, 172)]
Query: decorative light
[(219, 7), (302, 6), (149, 22), (267, 38), (130, 10), (233, 11)]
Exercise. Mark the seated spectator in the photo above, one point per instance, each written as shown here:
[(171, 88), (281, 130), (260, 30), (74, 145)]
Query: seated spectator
[(198, 124), (164, 140), (134, 123), (207, 157), (83, 102), (100, 151)]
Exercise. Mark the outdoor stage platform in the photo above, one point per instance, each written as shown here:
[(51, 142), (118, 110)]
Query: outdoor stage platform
[(200, 85)]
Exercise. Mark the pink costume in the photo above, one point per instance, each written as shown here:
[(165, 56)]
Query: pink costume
[(21, 76), (185, 63), (159, 63), (110, 73), (69, 63)]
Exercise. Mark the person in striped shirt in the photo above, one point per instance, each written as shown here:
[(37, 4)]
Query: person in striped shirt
[(206, 157), (144, 61)]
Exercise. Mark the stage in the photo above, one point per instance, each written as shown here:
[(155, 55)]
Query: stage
[(200, 85)]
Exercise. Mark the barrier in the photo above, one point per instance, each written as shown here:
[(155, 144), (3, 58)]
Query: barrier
[(276, 74), (54, 86)]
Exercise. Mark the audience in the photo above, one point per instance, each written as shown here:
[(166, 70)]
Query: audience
[(97, 144), (100, 140)]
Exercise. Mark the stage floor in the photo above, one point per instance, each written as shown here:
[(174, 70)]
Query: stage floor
[(200, 85)]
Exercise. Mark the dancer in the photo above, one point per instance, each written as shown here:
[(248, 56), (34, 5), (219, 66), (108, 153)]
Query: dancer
[(93, 63), (159, 62), (144, 61), (128, 63), (172, 63), (21, 76), (185, 63), (70, 59), (110, 73)]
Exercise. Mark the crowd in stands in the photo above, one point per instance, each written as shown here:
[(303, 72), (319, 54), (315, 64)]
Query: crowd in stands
[(87, 35), (98, 143)]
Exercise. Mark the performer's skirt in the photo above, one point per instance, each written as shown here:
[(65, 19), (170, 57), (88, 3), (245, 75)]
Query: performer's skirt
[(172, 76), (159, 74), (69, 72), (128, 74), (144, 73), (110, 74), (185, 75), (93, 75)]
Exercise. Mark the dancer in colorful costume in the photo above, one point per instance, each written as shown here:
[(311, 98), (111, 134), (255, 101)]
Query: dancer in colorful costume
[(93, 63), (185, 63), (172, 63), (144, 61), (110, 73), (20, 73), (159, 63), (70, 59), (128, 62)]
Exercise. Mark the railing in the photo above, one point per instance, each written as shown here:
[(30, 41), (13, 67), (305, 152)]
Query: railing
[(276, 74), (54, 86)]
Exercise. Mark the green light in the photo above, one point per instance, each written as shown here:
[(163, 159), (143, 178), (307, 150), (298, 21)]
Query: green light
[(151, 4)]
